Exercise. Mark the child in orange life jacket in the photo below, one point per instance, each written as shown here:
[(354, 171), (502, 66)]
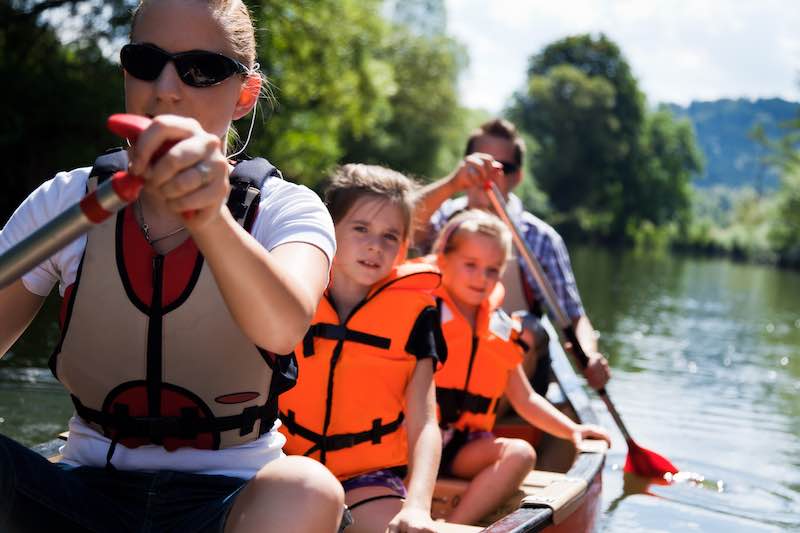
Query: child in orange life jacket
[(365, 404), (484, 363)]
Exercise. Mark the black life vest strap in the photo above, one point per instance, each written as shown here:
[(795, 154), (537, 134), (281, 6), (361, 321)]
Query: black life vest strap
[(186, 426), (453, 402), (340, 332), (247, 179), (340, 441), (534, 305)]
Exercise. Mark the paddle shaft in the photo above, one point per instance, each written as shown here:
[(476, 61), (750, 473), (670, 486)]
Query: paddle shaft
[(557, 312), (95, 207)]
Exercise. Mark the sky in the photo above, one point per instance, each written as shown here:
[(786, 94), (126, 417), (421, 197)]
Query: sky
[(679, 50)]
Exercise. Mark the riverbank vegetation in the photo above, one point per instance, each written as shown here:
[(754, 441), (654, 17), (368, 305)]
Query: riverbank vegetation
[(376, 81)]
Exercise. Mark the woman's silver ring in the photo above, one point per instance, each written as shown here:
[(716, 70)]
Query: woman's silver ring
[(205, 172)]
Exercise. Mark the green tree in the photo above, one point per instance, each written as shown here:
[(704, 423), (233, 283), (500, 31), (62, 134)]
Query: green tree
[(784, 232), (668, 157), (353, 86), (57, 98), (602, 159), (328, 80), (571, 116), (415, 135), (583, 107)]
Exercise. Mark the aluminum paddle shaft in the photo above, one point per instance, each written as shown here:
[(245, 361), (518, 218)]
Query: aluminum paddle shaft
[(640, 460), (556, 310), (109, 197), (93, 209)]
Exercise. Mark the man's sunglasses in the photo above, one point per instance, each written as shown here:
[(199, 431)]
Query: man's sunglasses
[(196, 68), (509, 167)]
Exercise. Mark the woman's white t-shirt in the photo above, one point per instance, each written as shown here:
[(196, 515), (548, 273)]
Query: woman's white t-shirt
[(287, 213)]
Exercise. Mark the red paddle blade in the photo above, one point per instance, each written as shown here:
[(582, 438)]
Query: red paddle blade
[(646, 463)]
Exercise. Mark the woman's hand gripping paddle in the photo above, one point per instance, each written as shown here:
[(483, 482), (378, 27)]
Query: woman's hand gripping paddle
[(108, 198), (639, 461)]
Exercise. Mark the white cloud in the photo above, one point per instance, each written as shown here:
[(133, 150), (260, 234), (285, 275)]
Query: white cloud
[(679, 50)]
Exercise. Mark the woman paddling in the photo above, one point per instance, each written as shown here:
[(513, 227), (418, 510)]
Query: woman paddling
[(175, 309)]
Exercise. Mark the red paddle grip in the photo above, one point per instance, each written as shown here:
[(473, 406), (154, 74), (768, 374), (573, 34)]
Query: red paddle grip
[(131, 126)]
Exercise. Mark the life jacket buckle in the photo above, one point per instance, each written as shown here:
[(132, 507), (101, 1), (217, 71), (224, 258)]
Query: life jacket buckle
[(375, 433)]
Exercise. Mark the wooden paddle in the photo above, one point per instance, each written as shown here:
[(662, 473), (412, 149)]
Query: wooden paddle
[(109, 197), (639, 460)]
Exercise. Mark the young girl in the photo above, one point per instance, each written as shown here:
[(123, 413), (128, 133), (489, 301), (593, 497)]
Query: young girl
[(484, 362), (171, 323), (365, 404)]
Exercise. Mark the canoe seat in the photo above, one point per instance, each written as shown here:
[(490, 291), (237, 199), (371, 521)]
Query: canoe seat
[(539, 489)]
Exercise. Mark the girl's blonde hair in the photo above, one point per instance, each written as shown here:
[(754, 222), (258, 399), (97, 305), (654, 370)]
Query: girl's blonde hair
[(353, 181), (473, 221)]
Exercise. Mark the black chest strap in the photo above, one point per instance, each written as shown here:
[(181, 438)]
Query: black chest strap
[(340, 441), (454, 402), (247, 179), (340, 332)]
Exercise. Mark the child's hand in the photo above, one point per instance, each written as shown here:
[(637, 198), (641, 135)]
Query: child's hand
[(590, 431), (411, 520)]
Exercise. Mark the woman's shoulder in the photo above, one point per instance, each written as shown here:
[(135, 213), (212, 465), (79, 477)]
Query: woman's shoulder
[(289, 212), (48, 200), (278, 194), (61, 191)]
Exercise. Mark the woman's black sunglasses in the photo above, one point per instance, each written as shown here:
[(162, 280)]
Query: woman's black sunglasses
[(509, 167), (197, 68)]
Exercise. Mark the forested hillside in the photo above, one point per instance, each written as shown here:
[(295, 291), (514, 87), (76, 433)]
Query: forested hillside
[(724, 134)]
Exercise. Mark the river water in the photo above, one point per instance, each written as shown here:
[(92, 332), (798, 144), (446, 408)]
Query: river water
[(706, 371)]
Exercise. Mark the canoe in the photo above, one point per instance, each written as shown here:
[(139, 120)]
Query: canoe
[(561, 495)]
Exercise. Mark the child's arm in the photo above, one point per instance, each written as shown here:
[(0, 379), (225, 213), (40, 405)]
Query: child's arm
[(537, 411), (425, 448)]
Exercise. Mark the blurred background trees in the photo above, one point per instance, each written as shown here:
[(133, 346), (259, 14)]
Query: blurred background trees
[(377, 81)]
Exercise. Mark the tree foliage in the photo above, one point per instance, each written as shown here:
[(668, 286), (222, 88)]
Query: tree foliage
[(603, 159), (351, 85), (348, 84), (414, 136), (57, 98)]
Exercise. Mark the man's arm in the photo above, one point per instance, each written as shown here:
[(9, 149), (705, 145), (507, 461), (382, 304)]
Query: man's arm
[(472, 171), (558, 267), (597, 372)]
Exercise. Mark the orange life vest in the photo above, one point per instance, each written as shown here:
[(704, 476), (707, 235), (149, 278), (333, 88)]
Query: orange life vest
[(479, 362), (347, 408), (149, 352)]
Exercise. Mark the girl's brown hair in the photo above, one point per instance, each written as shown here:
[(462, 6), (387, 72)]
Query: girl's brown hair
[(354, 181), (473, 221)]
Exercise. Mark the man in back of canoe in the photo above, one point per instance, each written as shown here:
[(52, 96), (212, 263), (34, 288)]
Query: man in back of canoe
[(496, 151)]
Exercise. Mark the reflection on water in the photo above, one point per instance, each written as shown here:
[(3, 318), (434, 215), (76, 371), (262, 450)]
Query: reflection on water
[(706, 362), (706, 373)]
